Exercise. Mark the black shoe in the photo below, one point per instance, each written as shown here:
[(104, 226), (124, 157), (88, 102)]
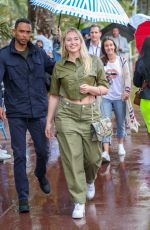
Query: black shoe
[(44, 185), (104, 161), (23, 206)]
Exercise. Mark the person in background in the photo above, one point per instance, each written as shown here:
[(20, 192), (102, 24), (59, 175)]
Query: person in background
[(123, 51), (23, 66), (94, 43), (141, 79), (121, 43), (76, 80), (94, 46), (86, 37), (47, 43), (39, 43), (55, 57), (118, 75), (3, 154), (57, 40)]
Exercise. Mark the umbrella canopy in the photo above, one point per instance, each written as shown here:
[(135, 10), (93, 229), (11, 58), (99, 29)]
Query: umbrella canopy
[(137, 19), (141, 33), (85, 31), (126, 31), (92, 10)]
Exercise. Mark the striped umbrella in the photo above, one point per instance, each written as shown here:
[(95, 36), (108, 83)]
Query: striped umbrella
[(92, 10)]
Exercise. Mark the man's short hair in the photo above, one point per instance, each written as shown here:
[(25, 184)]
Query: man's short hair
[(24, 20), (115, 28), (95, 25)]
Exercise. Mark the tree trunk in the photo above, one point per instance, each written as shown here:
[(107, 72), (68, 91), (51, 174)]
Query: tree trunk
[(44, 21), (32, 14)]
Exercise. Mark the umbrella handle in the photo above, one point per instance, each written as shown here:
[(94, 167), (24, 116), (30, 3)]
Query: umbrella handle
[(79, 23), (59, 20)]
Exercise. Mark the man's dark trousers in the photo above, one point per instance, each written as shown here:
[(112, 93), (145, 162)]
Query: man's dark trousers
[(18, 128)]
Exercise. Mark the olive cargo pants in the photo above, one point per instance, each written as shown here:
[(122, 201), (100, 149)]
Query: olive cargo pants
[(81, 158)]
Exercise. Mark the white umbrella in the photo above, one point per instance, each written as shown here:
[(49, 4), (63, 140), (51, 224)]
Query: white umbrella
[(137, 19), (92, 10)]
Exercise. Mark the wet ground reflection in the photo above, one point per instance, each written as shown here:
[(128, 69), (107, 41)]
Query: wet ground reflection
[(122, 200)]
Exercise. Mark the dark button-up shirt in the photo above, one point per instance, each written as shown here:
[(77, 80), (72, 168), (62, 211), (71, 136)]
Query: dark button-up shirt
[(25, 91), (68, 76)]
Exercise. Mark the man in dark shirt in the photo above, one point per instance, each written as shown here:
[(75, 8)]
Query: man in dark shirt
[(22, 69)]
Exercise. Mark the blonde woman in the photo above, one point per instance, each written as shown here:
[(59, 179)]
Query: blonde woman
[(76, 80)]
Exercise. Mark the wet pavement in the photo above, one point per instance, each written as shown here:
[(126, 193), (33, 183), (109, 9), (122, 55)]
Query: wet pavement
[(122, 200)]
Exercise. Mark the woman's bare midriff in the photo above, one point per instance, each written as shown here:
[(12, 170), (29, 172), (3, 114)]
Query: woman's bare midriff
[(86, 100)]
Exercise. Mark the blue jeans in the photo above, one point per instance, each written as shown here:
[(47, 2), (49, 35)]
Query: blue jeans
[(18, 128), (119, 109)]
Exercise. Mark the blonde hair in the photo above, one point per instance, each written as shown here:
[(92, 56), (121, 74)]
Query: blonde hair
[(86, 59)]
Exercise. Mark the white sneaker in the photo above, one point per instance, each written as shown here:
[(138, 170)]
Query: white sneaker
[(90, 193), (79, 211), (3, 155), (3, 151), (121, 150), (105, 156), (121, 158)]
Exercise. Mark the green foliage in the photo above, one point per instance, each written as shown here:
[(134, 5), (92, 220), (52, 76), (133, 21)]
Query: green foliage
[(70, 21), (10, 10), (17, 8), (127, 6), (13, 9), (3, 2), (4, 30)]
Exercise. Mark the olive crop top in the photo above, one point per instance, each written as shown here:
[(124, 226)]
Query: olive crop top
[(68, 76)]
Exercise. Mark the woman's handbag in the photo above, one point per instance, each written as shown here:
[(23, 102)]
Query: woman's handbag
[(101, 128), (131, 121), (137, 97)]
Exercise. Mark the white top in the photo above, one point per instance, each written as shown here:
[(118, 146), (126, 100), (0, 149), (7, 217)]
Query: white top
[(114, 75), (95, 50), (47, 44)]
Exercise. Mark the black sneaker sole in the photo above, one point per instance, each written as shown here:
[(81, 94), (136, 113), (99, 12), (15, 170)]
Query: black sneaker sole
[(24, 209)]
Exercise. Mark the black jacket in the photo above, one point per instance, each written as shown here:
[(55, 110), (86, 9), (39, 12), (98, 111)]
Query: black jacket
[(87, 43), (140, 75), (25, 91)]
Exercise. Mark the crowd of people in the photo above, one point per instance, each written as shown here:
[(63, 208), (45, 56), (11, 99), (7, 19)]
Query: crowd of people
[(89, 78)]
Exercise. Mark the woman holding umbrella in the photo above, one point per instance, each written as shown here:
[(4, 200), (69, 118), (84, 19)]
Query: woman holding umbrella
[(76, 80), (142, 79)]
